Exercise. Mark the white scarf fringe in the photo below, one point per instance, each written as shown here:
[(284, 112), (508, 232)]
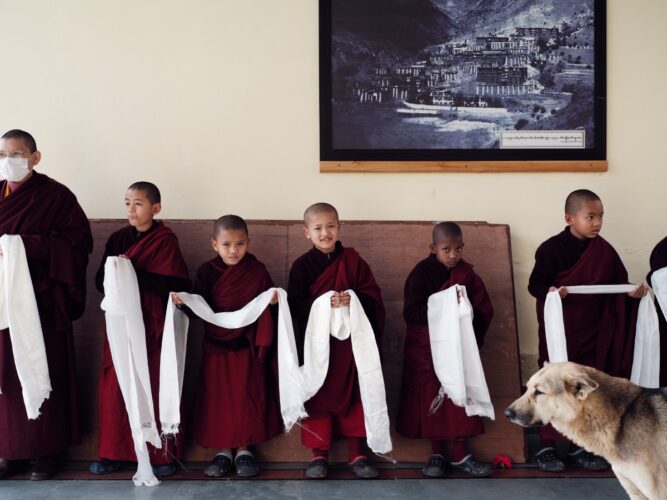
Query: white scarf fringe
[(455, 353), (19, 313)]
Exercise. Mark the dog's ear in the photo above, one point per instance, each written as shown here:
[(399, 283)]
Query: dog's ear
[(579, 384)]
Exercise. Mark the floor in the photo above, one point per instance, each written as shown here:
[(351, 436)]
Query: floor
[(483, 489)]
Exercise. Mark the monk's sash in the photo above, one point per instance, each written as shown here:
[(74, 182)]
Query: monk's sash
[(455, 353), (646, 355), (297, 384), (19, 313), (127, 343)]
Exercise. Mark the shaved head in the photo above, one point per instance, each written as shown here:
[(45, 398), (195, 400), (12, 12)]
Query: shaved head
[(319, 208), (27, 139), (149, 189), (445, 230), (229, 223), (576, 199)]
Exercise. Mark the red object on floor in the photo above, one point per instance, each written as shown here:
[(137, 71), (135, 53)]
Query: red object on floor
[(502, 462)]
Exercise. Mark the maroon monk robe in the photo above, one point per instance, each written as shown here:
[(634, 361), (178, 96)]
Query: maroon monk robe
[(312, 275), (420, 383), (160, 269), (658, 260), (237, 398), (599, 328), (57, 239)]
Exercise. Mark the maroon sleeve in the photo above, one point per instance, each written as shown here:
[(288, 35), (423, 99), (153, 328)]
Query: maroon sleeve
[(544, 273), (658, 259), (482, 307), (415, 299)]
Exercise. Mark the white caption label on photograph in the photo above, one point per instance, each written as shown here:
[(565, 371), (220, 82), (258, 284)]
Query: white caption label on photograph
[(540, 139)]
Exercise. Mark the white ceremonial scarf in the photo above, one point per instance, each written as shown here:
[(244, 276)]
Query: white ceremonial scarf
[(298, 384), (174, 343), (127, 343), (646, 356), (19, 313), (343, 323), (455, 353)]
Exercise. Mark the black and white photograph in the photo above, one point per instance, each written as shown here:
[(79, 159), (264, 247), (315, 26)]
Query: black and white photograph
[(458, 79)]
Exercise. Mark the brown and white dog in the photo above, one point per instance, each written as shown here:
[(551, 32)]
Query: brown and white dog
[(608, 416)]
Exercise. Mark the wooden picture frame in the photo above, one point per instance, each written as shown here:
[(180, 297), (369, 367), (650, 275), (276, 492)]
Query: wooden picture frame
[(407, 86)]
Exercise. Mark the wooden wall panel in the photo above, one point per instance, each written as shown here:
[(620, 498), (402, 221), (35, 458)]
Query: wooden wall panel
[(391, 249)]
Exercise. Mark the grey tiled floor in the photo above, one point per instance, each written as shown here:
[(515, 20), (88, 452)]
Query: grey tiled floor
[(484, 489)]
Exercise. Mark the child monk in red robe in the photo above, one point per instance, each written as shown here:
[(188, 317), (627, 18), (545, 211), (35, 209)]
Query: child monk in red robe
[(336, 409), (599, 328), (237, 404), (439, 271), (153, 249), (57, 240), (657, 261)]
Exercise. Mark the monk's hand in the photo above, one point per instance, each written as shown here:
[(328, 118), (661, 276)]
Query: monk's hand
[(638, 292), (345, 299), (176, 299), (562, 291), (123, 256), (274, 298), (335, 300)]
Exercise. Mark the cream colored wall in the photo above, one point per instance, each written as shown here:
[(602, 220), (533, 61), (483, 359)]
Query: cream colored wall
[(217, 102)]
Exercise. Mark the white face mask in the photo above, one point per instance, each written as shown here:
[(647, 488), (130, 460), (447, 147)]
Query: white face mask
[(14, 169)]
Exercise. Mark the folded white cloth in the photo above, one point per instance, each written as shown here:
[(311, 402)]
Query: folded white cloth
[(455, 354), (646, 356), (298, 384), (127, 342), (19, 313)]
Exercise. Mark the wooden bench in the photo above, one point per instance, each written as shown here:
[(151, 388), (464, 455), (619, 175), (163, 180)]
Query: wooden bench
[(391, 249)]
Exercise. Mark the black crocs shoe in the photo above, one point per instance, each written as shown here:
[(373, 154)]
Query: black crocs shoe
[(435, 467), (164, 470), (219, 467), (473, 467), (586, 460), (246, 466), (317, 469), (547, 460), (362, 469), (105, 466)]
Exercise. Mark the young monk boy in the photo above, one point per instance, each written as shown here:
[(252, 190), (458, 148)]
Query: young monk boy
[(443, 268), (153, 249), (336, 409), (599, 328), (237, 403), (657, 261)]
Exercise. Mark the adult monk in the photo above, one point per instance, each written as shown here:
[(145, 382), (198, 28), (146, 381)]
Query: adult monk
[(336, 409), (156, 257), (600, 329), (57, 240)]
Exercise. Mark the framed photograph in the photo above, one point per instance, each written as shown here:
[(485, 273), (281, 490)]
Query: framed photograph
[(454, 85)]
